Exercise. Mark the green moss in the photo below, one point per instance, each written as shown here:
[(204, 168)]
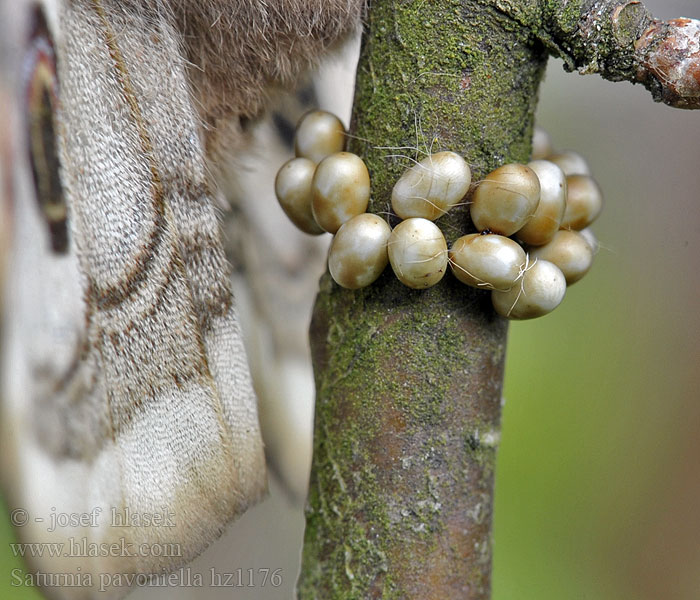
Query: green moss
[(599, 41), (566, 15)]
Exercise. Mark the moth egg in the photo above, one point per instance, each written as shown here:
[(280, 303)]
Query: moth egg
[(539, 291), (541, 143), (505, 199), (293, 191), (584, 201), (588, 235), (431, 187), (418, 253), (544, 223), (358, 253), (572, 163), (569, 251), (487, 261), (340, 190), (319, 134)]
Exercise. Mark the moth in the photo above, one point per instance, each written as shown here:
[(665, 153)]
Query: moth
[(129, 419)]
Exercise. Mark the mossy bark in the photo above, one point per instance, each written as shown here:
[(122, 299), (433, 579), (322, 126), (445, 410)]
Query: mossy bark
[(409, 382)]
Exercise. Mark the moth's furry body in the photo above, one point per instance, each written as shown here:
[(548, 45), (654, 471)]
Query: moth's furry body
[(125, 378)]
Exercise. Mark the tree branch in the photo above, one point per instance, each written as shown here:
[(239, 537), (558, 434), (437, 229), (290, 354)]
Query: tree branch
[(409, 382), (622, 41)]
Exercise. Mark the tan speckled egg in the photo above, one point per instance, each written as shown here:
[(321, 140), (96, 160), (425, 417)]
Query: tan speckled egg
[(572, 163), (584, 201), (418, 253), (569, 251), (544, 223), (541, 143), (505, 199), (431, 187), (293, 190), (319, 134), (340, 190), (487, 261), (539, 291), (358, 253)]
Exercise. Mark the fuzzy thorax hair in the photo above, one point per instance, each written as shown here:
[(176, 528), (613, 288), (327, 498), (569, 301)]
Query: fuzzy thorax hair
[(238, 49)]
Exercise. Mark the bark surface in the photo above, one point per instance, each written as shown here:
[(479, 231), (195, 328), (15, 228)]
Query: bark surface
[(409, 382)]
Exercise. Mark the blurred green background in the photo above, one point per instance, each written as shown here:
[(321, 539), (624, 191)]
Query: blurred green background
[(598, 481)]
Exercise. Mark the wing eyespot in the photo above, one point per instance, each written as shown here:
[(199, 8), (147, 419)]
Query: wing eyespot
[(41, 97)]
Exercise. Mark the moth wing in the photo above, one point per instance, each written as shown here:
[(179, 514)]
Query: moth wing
[(128, 399)]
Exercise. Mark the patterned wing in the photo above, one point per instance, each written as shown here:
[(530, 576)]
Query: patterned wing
[(127, 394)]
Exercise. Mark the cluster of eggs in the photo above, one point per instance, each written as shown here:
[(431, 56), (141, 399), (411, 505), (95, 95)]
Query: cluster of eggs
[(532, 220)]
